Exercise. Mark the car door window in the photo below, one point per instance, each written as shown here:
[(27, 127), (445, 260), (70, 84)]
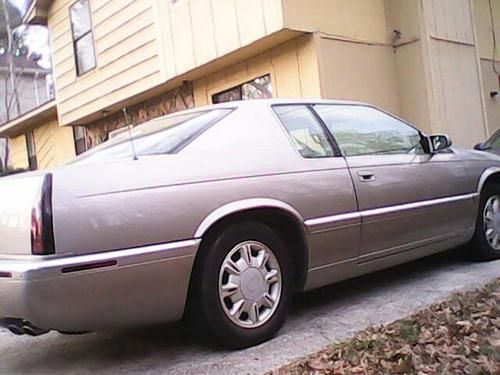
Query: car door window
[(306, 133), (361, 130), (495, 143)]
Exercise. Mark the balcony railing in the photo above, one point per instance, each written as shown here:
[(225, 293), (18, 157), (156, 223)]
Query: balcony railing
[(24, 88)]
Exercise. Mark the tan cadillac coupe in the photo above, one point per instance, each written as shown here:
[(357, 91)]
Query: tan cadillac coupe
[(224, 213)]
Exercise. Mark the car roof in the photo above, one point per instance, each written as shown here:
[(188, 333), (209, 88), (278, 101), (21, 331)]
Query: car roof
[(271, 102)]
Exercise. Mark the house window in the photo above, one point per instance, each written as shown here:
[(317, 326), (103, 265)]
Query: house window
[(83, 40), (79, 135), (30, 146), (259, 88)]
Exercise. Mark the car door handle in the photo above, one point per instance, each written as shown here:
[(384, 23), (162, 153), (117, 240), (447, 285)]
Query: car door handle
[(366, 176)]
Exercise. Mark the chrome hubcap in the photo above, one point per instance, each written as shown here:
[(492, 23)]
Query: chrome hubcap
[(491, 221), (250, 284)]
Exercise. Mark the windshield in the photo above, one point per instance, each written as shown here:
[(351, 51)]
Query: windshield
[(166, 135)]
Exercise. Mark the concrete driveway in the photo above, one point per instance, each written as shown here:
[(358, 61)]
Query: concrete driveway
[(319, 317)]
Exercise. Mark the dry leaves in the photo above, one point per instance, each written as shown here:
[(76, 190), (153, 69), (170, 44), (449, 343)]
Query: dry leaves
[(458, 336)]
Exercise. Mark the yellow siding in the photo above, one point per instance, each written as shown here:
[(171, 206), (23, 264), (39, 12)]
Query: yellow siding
[(54, 145), (128, 56), (293, 67), (353, 19), (194, 32), (18, 152)]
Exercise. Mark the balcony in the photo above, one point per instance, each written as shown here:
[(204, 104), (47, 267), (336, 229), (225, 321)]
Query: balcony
[(24, 88)]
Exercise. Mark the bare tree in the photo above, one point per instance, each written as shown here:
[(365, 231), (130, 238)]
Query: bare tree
[(10, 58), (11, 41)]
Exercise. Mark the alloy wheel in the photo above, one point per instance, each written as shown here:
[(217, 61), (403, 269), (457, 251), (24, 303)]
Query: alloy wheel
[(250, 284), (491, 221)]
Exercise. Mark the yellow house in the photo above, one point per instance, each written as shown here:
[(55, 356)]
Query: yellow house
[(431, 62)]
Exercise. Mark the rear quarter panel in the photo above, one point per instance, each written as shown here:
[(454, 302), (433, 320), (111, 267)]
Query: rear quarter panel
[(165, 198)]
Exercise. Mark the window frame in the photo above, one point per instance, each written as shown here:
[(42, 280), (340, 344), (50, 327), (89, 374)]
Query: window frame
[(309, 106), (494, 138), (421, 134), (83, 158), (75, 140), (76, 40), (32, 159), (240, 88)]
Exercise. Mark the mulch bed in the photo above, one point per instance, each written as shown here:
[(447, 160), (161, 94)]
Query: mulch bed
[(457, 336)]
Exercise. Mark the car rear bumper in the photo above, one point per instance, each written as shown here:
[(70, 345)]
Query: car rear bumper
[(138, 286)]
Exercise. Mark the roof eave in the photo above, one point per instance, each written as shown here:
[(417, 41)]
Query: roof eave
[(29, 120), (37, 13)]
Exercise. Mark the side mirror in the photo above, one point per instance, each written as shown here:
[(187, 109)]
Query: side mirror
[(438, 143)]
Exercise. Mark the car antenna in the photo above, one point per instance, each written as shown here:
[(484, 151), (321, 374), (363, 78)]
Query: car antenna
[(124, 110)]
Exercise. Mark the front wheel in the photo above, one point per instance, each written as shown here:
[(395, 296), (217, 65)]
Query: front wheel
[(245, 285), (486, 242)]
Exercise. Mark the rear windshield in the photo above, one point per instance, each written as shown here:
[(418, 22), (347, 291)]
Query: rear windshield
[(167, 135)]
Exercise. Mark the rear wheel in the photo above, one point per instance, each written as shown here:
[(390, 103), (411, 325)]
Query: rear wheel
[(486, 242), (244, 285)]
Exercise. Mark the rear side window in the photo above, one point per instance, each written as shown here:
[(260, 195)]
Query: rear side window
[(307, 135), (167, 135)]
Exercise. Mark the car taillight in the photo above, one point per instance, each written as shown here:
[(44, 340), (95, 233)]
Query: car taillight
[(42, 232)]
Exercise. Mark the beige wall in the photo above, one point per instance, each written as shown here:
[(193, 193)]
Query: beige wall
[(127, 49), (405, 16), (482, 19), (293, 67), (453, 73), (491, 84), (361, 72), (490, 79), (413, 92), (354, 19)]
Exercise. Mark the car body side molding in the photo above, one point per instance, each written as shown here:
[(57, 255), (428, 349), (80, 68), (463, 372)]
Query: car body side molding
[(244, 205), (344, 218), (486, 174)]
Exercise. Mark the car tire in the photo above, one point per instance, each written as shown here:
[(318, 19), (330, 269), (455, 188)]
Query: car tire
[(244, 285), (484, 246)]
